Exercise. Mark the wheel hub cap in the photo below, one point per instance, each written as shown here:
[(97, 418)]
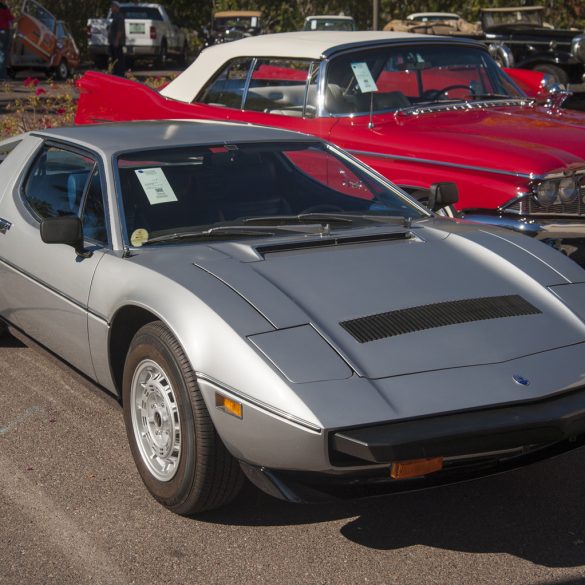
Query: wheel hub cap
[(155, 418)]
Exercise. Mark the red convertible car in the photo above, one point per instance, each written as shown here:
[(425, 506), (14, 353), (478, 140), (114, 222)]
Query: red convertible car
[(420, 110)]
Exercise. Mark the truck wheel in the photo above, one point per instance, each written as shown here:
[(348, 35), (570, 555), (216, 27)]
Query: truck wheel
[(162, 58), (176, 448), (558, 74), (61, 72)]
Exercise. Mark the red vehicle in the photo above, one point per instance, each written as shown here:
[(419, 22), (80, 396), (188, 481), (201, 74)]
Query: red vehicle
[(420, 110)]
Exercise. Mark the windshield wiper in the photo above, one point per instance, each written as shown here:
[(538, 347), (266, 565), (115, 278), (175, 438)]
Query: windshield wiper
[(226, 230), (301, 217), (238, 230)]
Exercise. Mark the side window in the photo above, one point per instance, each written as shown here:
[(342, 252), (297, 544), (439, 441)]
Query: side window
[(93, 216), (56, 182), (278, 86), (227, 88)]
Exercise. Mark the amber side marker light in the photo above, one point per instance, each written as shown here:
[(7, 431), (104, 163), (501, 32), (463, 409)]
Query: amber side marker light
[(415, 467), (228, 405)]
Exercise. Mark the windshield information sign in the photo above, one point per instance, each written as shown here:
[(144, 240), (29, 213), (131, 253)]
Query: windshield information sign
[(364, 77)]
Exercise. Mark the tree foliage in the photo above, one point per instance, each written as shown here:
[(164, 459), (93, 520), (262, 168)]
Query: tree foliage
[(287, 15)]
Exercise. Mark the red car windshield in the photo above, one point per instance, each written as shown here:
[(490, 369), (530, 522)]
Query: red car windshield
[(395, 77)]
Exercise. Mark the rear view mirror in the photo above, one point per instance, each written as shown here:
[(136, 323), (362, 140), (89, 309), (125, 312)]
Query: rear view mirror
[(442, 195)]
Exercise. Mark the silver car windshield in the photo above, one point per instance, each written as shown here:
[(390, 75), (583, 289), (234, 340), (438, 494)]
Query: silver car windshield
[(174, 191), (400, 76)]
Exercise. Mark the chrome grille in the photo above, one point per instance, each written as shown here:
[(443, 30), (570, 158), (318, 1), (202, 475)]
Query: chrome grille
[(577, 208)]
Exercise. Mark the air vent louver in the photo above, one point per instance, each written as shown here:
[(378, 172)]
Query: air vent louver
[(414, 319)]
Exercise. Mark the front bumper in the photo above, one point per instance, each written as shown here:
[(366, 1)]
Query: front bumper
[(474, 444), (143, 50)]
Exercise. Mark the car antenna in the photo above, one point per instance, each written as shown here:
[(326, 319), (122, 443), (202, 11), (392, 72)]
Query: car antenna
[(371, 122)]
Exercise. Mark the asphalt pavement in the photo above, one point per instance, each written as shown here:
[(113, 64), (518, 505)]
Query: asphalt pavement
[(73, 510)]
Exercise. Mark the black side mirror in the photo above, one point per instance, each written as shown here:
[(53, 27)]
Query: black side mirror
[(64, 230), (442, 195)]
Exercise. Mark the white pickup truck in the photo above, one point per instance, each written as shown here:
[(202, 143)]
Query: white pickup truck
[(150, 34)]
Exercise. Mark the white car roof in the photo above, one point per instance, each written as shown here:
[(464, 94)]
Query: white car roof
[(297, 45)]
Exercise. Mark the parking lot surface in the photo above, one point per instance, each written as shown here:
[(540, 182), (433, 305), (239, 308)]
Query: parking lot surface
[(73, 510)]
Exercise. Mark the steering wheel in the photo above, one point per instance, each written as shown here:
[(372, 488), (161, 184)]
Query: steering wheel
[(436, 94), (322, 208)]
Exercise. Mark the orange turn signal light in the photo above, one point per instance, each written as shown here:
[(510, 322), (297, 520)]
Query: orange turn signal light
[(228, 405), (415, 467)]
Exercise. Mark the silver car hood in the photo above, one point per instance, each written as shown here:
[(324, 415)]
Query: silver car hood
[(328, 286)]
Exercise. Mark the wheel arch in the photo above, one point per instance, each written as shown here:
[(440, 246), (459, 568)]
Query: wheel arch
[(124, 326)]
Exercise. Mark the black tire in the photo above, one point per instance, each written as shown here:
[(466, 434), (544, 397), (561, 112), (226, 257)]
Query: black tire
[(558, 74), (206, 476), (11, 72), (163, 56), (61, 72)]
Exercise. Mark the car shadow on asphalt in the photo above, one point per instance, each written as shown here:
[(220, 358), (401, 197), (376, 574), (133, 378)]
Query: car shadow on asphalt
[(8, 340), (535, 513)]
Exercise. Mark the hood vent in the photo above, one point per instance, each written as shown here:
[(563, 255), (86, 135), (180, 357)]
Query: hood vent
[(331, 241), (404, 321)]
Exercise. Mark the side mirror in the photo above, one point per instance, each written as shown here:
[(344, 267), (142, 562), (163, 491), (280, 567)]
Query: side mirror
[(64, 230), (442, 195)]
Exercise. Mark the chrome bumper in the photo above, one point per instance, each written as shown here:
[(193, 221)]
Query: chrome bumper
[(541, 228)]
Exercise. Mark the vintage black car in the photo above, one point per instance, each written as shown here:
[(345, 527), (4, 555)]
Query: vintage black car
[(519, 37), (232, 25)]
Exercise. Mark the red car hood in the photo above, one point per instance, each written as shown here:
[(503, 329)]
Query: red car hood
[(519, 139)]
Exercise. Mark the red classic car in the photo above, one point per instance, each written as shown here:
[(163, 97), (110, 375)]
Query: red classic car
[(420, 110)]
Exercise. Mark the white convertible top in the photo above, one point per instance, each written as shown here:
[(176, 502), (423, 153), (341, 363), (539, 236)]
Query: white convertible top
[(298, 45)]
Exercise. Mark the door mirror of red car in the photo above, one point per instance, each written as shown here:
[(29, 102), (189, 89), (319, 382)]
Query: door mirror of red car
[(442, 195), (64, 230)]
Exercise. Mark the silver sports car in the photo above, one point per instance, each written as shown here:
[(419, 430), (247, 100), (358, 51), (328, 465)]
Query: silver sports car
[(264, 305)]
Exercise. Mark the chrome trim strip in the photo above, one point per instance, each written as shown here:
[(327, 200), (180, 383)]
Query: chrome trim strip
[(530, 176), (460, 105), (259, 404), (345, 47)]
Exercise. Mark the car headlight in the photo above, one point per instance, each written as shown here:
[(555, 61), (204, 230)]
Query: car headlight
[(578, 47), (568, 190), (546, 193), (551, 191)]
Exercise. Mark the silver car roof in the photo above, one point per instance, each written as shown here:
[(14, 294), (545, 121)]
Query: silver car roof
[(112, 138)]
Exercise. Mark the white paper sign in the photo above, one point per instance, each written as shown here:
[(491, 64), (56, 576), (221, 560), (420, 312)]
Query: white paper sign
[(155, 185), (364, 77)]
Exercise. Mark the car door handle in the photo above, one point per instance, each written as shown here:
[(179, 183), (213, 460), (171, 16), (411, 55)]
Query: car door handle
[(5, 225)]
